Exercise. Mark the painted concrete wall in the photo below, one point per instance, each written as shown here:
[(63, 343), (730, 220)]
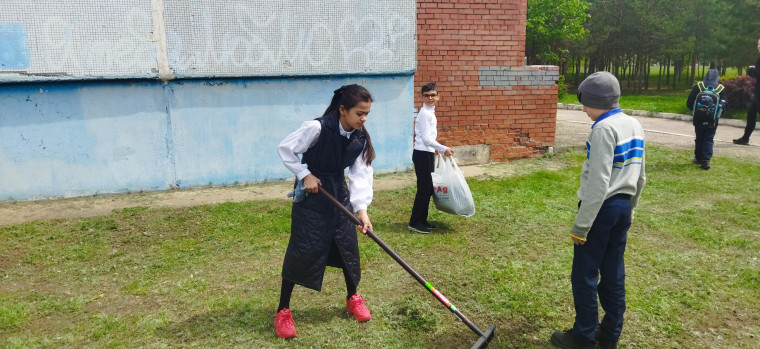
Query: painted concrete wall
[(78, 139)]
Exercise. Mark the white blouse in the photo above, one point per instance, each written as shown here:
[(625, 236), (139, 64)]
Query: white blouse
[(360, 175)]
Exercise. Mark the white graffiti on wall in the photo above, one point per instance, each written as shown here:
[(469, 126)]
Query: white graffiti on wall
[(205, 38), (282, 42), (72, 49)]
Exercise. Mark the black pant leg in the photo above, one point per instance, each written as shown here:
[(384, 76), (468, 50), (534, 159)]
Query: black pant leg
[(423, 168), (704, 142), (752, 111), (286, 291), (697, 142)]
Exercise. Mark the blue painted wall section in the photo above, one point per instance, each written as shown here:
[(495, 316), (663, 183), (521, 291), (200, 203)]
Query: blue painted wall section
[(78, 139), (14, 47)]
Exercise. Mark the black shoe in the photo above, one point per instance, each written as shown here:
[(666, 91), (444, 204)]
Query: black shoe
[(419, 228), (695, 161), (603, 344), (741, 141), (568, 341), (429, 225), (705, 164)]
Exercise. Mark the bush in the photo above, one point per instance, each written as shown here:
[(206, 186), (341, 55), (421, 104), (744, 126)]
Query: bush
[(561, 87), (739, 92)]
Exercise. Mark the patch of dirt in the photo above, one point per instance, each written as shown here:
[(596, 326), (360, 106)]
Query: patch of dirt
[(572, 129), (20, 212)]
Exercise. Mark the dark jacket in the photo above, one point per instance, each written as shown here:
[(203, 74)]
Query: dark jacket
[(711, 79), (320, 235), (755, 73)]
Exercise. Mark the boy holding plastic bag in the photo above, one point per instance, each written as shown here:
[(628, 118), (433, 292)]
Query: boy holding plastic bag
[(425, 147)]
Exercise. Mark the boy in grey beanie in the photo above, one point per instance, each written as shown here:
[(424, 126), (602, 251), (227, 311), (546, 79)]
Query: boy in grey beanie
[(611, 182)]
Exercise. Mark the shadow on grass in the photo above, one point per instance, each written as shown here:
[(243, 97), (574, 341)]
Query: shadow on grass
[(506, 335), (440, 228), (257, 319)]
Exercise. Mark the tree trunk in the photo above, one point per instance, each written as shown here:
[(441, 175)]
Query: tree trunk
[(677, 66), (647, 72), (667, 72), (586, 64), (636, 73), (659, 76)]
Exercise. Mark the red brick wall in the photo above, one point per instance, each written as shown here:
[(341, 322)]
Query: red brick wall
[(456, 41)]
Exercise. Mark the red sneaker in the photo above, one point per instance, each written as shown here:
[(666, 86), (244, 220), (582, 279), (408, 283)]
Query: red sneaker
[(355, 305), (284, 326)]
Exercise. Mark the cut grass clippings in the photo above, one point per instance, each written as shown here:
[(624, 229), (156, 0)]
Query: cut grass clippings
[(209, 276)]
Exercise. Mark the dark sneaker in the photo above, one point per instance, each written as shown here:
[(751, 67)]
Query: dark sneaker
[(603, 344), (429, 225), (568, 341), (741, 141), (705, 164), (694, 161), (284, 327), (355, 306), (419, 228)]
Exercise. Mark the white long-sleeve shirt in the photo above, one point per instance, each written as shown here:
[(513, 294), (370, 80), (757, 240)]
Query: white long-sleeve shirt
[(426, 131), (360, 175)]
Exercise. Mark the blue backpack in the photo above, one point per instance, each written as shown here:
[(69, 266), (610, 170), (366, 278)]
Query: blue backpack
[(708, 106)]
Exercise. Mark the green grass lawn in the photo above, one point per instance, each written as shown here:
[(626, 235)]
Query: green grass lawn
[(208, 276), (664, 100), (654, 72)]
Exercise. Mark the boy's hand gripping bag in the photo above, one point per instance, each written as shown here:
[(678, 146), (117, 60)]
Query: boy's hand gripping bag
[(451, 194)]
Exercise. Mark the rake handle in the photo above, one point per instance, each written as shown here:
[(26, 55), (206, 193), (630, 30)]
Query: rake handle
[(401, 262)]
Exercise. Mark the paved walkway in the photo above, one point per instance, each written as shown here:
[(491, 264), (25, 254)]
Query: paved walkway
[(573, 127)]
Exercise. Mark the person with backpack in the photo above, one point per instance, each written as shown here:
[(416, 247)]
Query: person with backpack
[(707, 102), (754, 106)]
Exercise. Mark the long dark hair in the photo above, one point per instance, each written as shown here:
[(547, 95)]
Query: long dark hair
[(349, 96)]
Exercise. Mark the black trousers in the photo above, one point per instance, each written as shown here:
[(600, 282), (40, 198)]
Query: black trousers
[(423, 168), (752, 111)]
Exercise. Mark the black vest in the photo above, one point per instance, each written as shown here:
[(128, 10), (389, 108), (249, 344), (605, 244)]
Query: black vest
[(333, 152), (316, 225)]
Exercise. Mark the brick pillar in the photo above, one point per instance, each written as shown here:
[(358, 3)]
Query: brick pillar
[(474, 51)]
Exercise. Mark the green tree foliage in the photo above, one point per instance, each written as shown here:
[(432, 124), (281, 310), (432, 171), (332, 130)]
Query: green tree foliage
[(550, 24), (630, 37)]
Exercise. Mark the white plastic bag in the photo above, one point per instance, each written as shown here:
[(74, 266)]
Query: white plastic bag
[(451, 194)]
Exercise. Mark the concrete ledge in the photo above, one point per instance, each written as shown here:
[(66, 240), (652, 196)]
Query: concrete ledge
[(671, 116), (472, 154)]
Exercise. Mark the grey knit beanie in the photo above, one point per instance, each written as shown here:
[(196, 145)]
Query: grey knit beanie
[(600, 90)]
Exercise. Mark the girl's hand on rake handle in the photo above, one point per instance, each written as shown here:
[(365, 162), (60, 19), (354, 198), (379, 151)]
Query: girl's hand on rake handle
[(311, 183), (366, 224)]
